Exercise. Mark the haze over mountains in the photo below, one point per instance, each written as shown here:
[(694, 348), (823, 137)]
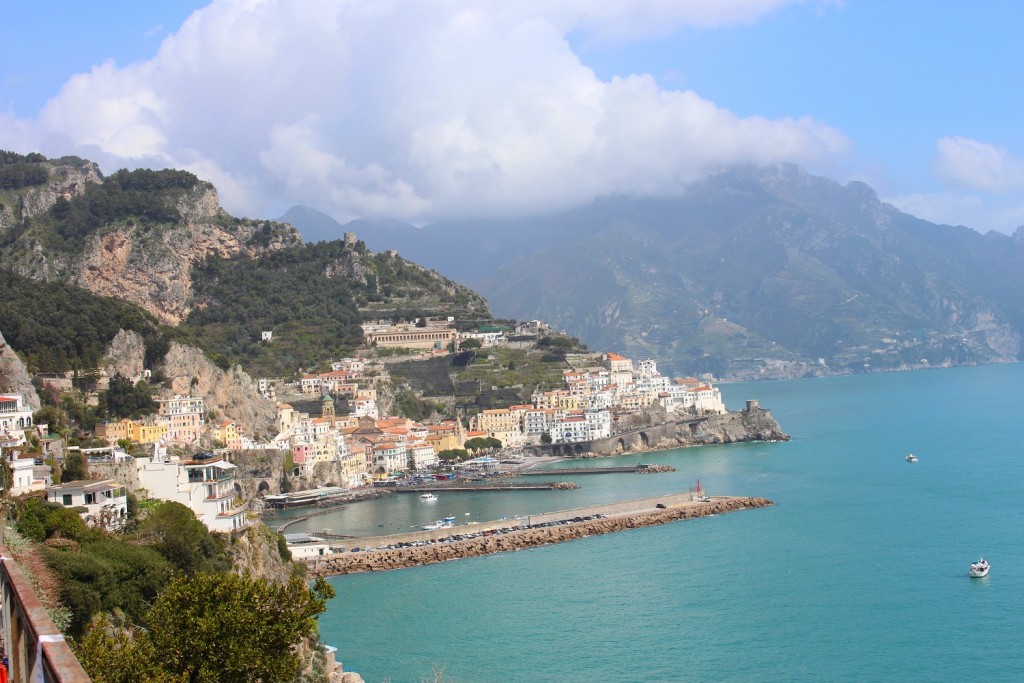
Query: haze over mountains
[(751, 273)]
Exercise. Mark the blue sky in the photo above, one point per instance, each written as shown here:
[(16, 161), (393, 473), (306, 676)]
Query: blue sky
[(440, 109)]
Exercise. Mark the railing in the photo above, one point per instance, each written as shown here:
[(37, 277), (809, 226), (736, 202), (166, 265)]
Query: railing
[(35, 648)]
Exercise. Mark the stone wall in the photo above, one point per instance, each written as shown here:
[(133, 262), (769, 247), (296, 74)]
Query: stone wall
[(516, 538)]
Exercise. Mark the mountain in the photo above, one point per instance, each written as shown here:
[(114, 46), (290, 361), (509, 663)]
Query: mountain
[(135, 235), (752, 273), (160, 241)]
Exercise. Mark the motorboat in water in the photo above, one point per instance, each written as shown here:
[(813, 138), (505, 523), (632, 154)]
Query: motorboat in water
[(438, 524), (911, 457), (979, 568), (428, 497)]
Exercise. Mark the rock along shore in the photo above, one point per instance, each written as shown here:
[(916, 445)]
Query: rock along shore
[(539, 530)]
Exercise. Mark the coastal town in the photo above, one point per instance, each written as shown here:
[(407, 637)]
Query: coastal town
[(180, 453)]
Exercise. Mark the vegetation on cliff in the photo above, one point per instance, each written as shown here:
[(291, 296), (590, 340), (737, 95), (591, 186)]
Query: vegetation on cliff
[(166, 602), (21, 170), (314, 298), (59, 327)]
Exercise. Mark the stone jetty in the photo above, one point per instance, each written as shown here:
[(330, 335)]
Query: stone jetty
[(412, 550)]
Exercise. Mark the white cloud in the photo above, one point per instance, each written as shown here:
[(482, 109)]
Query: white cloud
[(978, 166), (414, 110)]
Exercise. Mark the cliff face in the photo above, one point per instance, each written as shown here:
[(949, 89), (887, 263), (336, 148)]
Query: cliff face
[(14, 377), (145, 263), (126, 355), (230, 393), (752, 424)]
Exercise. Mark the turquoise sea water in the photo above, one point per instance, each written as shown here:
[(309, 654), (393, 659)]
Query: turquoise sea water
[(859, 573)]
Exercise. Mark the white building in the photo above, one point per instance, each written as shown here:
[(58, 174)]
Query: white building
[(26, 476), (105, 502), (15, 417), (206, 486)]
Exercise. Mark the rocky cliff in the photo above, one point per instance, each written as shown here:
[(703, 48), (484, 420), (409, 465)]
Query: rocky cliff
[(231, 393), (14, 377), (126, 355), (752, 424), (140, 261)]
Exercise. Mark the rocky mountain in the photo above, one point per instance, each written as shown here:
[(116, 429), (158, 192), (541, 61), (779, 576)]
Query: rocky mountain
[(752, 273), (134, 235), (144, 270), (14, 378)]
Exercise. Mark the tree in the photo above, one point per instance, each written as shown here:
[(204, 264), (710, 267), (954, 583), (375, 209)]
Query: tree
[(112, 655), (123, 399), (74, 468), (469, 344), (227, 628), (183, 540), (545, 437)]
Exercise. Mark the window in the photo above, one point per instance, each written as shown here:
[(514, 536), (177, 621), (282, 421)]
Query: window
[(66, 499)]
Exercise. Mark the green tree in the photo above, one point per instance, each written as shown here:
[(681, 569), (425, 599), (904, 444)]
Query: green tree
[(123, 399), (183, 540), (469, 344), (74, 468), (112, 655), (545, 437), (226, 628)]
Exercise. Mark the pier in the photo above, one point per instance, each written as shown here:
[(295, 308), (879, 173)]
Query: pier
[(507, 486), (401, 551), (572, 471)]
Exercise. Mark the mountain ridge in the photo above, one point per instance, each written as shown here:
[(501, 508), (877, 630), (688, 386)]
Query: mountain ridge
[(751, 273)]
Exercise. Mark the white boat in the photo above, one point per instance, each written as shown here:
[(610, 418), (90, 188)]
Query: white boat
[(911, 457), (979, 568), (449, 520), (437, 524), (428, 496)]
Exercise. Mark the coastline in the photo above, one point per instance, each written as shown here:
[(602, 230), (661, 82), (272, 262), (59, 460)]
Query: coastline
[(444, 545)]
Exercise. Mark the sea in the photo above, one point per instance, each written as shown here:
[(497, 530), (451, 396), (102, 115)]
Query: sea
[(859, 572)]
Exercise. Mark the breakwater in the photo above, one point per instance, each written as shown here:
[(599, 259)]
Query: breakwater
[(411, 550)]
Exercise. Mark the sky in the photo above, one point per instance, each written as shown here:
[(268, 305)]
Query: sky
[(436, 109)]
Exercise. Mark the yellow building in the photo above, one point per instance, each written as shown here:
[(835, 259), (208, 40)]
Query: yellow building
[(112, 432), (149, 433), (226, 432)]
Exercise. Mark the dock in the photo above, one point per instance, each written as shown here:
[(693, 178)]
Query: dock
[(506, 486), (401, 551), (573, 471)]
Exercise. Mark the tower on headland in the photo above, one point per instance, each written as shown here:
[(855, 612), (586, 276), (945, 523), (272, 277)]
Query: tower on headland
[(350, 239)]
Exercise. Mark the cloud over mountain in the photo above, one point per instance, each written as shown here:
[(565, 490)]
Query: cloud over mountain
[(414, 110)]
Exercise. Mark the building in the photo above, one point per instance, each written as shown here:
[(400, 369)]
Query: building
[(184, 417), (112, 432), (226, 432), (26, 476), (15, 416), (205, 484), (435, 334), (105, 502)]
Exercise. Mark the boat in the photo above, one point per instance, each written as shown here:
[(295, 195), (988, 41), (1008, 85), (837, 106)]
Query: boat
[(449, 520), (428, 497), (979, 568), (437, 524), (911, 457)]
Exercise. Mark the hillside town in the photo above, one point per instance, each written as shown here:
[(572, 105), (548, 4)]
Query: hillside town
[(182, 453)]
